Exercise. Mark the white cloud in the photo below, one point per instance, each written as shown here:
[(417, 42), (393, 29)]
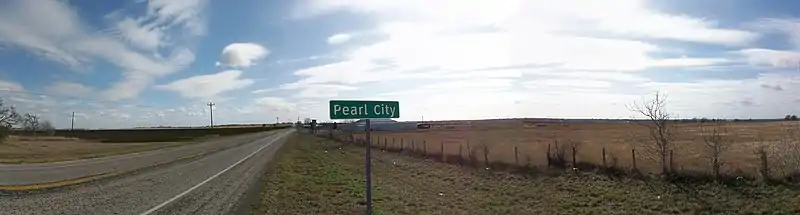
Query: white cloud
[(275, 104), (322, 91), (259, 91), (41, 27), (622, 77), (242, 54), (208, 86), (338, 39), (576, 83), (688, 62), (788, 26), (773, 58), (148, 37), (183, 13), (524, 51), (523, 35), (68, 89), (54, 31), (11, 86), (632, 18)]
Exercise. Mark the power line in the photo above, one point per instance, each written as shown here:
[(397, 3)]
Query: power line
[(211, 113)]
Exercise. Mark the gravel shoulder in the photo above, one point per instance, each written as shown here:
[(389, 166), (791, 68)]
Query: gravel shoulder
[(195, 186)]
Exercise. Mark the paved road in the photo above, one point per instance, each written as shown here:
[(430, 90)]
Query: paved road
[(22, 174), (213, 184)]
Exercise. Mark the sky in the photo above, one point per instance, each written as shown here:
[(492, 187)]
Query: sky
[(130, 63)]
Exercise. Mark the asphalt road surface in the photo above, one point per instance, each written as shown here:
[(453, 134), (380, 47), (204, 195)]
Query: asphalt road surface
[(212, 184), (23, 174)]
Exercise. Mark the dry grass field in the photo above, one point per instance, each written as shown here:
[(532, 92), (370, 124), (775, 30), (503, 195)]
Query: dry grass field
[(51, 149), (617, 139), (319, 176)]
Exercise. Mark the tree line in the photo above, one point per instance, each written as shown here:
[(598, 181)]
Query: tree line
[(30, 123)]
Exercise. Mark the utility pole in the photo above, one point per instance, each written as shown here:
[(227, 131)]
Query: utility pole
[(72, 125), (211, 111), (277, 120)]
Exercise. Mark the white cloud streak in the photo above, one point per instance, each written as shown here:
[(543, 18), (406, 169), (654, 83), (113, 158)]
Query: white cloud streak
[(338, 39), (208, 86), (54, 31)]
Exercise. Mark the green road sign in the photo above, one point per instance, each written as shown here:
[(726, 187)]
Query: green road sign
[(364, 109)]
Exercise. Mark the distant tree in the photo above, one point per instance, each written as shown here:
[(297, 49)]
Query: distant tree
[(30, 122), (47, 128), (787, 117), (793, 118), (8, 118), (307, 121), (716, 144)]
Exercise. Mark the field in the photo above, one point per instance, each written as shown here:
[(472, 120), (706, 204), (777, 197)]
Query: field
[(519, 143), (313, 175), (51, 149), (156, 134)]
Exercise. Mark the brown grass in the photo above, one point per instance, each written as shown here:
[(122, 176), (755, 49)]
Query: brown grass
[(616, 138), (317, 176), (52, 149)]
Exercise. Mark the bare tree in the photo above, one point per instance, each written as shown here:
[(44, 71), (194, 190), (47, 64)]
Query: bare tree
[(786, 152), (8, 118), (31, 123), (661, 131), (485, 149), (716, 143)]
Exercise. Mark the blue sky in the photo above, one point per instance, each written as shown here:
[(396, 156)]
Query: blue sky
[(158, 62)]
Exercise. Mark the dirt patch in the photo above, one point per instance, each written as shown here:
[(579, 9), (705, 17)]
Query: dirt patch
[(318, 176)]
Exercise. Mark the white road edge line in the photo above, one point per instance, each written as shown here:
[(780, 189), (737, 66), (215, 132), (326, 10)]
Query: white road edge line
[(210, 178)]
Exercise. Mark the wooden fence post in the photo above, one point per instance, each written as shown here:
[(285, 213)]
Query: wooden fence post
[(401, 145), (461, 154), (574, 156), (385, 143), (548, 155), (424, 148), (441, 149), (671, 164), (633, 159), (516, 156), (604, 158)]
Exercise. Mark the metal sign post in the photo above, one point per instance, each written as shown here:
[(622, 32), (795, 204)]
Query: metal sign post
[(368, 167), (365, 110)]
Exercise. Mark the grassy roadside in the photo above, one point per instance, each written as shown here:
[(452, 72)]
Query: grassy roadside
[(57, 149), (313, 176)]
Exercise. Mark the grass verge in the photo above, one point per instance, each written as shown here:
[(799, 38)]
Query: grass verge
[(317, 176)]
